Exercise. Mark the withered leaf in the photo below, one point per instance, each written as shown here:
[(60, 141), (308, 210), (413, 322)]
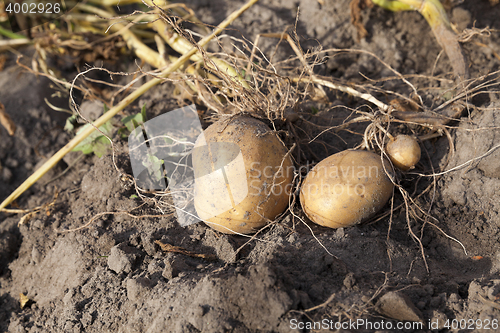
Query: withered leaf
[(3, 60), (6, 121), (356, 7), (23, 300), (177, 249), (421, 118), (449, 42)]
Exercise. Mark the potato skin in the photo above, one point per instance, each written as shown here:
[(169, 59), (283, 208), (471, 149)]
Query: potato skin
[(404, 152), (250, 203), (346, 188)]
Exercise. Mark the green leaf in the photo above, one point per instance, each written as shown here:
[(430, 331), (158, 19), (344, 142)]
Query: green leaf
[(134, 196), (143, 113), (123, 133), (101, 145), (70, 123), (133, 121), (96, 142), (153, 164)]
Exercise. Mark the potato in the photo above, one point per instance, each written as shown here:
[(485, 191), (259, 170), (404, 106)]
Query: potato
[(236, 162), (404, 152), (346, 188)]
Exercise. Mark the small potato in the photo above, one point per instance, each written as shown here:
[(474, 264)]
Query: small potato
[(346, 188), (243, 177), (404, 152)]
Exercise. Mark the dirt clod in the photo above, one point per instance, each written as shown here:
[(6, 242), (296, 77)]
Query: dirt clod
[(122, 258), (397, 305)]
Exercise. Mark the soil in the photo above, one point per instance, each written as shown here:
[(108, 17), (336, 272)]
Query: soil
[(113, 275)]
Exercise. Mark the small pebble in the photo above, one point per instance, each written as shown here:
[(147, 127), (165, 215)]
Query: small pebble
[(7, 174), (37, 224), (398, 306), (349, 281), (10, 162)]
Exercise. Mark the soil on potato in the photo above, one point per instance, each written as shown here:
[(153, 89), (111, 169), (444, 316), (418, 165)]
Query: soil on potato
[(112, 276)]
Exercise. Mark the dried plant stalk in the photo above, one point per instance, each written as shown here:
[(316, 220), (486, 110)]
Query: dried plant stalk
[(141, 50), (6, 121), (434, 13)]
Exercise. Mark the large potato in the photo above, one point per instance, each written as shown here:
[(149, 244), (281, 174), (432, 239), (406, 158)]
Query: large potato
[(346, 188), (243, 176)]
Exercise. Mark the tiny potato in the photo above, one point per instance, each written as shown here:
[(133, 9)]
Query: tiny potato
[(346, 188), (243, 175), (404, 152)]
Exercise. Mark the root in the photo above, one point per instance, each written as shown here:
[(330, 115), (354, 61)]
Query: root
[(128, 213), (30, 213)]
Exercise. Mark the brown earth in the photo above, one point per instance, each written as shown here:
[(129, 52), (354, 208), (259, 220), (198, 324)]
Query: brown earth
[(113, 277)]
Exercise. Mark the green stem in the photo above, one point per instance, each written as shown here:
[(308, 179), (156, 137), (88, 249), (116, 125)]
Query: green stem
[(394, 5), (10, 34)]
